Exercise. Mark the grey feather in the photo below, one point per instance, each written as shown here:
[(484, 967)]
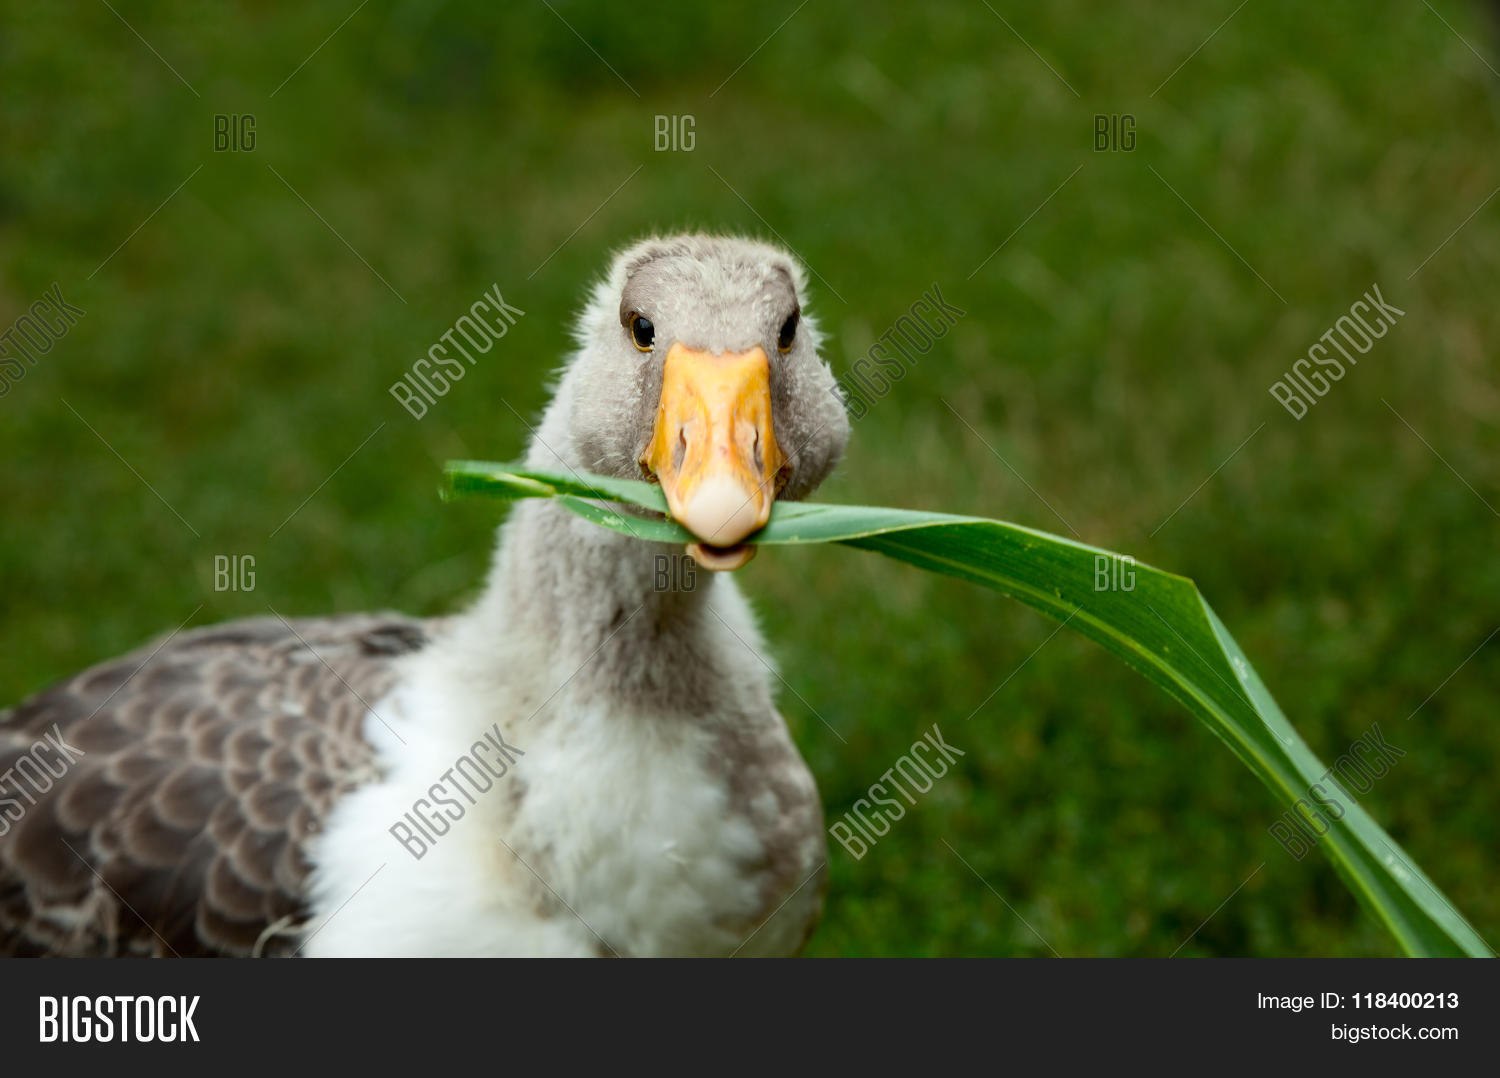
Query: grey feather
[(203, 765)]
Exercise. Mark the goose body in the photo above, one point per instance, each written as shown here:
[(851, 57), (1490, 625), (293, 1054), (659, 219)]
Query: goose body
[(582, 763)]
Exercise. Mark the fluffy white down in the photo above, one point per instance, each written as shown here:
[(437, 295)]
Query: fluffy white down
[(639, 839)]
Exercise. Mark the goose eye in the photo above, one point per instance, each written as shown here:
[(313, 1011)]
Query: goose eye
[(642, 332), (788, 334)]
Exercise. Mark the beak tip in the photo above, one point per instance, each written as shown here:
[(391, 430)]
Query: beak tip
[(721, 512)]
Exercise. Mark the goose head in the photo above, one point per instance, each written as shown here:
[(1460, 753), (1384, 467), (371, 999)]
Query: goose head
[(698, 369)]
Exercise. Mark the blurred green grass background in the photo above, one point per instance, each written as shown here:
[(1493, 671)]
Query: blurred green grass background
[(1115, 352)]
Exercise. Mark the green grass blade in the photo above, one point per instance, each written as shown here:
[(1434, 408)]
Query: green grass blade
[(1162, 627)]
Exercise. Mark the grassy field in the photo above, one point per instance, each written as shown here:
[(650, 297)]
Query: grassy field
[(1126, 313)]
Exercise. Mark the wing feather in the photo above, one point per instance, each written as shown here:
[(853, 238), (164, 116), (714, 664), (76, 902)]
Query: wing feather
[(204, 765)]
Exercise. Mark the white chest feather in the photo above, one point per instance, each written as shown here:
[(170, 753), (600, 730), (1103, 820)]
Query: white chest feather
[(606, 832)]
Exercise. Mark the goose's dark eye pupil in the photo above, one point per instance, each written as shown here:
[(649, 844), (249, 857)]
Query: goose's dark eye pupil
[(788, 334), (642, 332)]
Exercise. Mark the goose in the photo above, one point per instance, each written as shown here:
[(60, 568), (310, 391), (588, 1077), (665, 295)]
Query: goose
[(581, 763)]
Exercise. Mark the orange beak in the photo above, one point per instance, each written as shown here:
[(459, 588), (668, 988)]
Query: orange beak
[(714, 450)]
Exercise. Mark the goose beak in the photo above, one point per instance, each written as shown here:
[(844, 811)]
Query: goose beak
[(714, 451)]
